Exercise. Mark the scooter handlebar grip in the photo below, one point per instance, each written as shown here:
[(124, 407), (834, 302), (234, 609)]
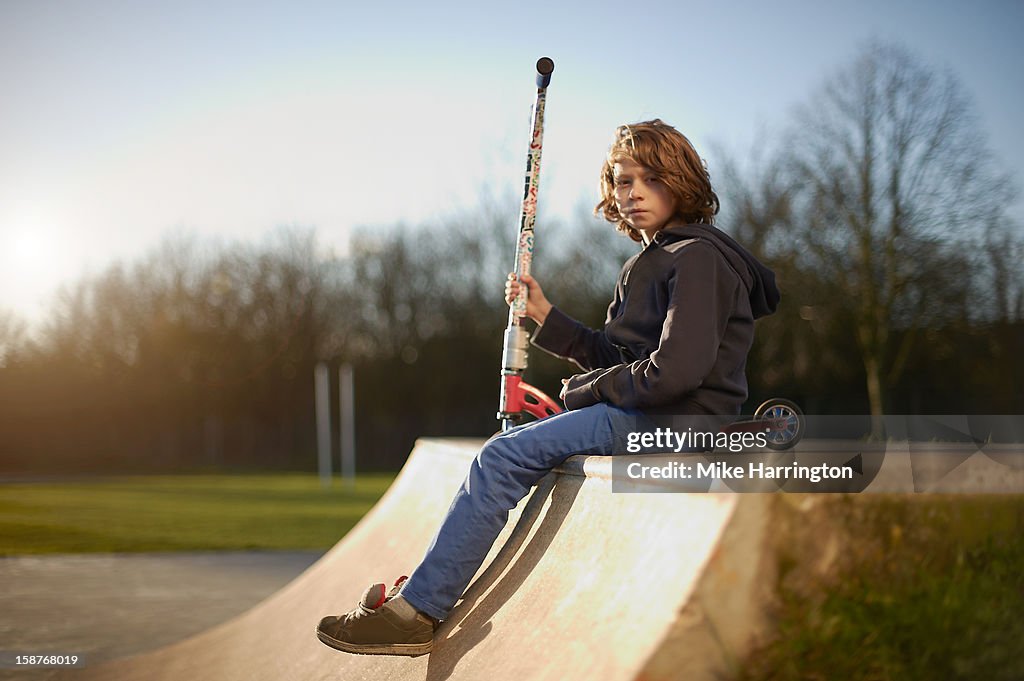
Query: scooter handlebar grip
[(545, 66)]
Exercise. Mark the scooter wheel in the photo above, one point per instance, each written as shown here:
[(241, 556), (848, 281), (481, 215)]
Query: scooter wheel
[(787, 422)]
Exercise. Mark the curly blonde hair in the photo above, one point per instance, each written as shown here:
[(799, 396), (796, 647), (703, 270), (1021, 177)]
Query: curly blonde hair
[(665, 151)]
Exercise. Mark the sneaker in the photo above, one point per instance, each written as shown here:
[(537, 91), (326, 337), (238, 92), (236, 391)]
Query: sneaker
[(374, 628)]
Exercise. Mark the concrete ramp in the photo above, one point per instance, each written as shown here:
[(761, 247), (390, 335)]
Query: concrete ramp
[(581, 584)]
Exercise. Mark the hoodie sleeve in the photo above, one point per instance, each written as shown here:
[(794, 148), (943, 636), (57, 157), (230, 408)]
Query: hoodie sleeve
[(703, 291), (566, 338)]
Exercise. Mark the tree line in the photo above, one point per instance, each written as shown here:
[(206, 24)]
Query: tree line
[(879, 206)]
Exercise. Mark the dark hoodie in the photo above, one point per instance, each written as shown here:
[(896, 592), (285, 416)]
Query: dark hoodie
[(678, 330)]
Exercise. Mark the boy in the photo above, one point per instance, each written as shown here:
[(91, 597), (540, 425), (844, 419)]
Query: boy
[(675, 342)]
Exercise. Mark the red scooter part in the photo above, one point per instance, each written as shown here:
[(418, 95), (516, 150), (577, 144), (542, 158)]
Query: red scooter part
[(520, 397)]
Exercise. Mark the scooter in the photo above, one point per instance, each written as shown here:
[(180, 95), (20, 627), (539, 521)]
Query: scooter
[(517, 396)]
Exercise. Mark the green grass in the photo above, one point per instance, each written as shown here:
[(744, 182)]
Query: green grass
[(933, 590), (182, 513)]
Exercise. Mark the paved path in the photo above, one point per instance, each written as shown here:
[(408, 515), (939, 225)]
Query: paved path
[(110, 605)]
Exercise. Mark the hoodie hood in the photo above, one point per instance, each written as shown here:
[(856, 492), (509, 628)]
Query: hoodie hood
[(759, 280)]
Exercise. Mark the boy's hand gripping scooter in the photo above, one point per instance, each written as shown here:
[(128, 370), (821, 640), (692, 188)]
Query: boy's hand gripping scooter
[(516, 396)]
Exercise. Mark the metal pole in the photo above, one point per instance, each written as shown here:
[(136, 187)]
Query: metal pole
[(347, 407), (322, 386)]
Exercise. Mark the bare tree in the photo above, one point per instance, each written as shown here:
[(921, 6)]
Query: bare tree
[(13, 337), (892, 191), (1004, 286)]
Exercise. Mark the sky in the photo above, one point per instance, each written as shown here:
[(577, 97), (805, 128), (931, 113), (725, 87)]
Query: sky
[(124, 123)]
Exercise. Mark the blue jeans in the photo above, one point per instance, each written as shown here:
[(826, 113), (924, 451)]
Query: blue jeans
[(509, 464)]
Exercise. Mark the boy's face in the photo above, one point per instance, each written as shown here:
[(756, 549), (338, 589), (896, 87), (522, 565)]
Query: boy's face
[(643, 200)]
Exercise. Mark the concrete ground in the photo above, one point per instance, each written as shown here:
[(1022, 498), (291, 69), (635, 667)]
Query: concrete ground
[(106, 606)]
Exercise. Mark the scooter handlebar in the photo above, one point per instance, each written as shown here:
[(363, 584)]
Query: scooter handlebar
[(545, 66)]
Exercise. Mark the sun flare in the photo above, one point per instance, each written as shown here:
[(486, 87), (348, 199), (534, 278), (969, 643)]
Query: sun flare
[(32, 265)]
